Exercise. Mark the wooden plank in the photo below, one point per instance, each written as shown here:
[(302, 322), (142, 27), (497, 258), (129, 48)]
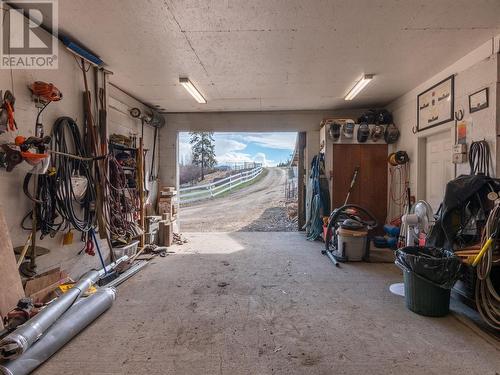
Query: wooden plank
[(45, 294), (10, 281), (140, 184), (41, 281)]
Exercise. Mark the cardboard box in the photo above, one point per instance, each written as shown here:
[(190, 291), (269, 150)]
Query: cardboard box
[(167, 193), (165, 234), (164, 206)]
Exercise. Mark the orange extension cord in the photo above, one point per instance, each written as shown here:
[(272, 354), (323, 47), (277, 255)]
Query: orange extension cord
[(46, 91)]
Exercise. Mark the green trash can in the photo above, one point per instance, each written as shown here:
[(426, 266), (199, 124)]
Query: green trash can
[(423, 297), (429, 274)]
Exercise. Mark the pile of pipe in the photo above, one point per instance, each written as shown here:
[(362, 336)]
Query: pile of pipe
[(31, 344)]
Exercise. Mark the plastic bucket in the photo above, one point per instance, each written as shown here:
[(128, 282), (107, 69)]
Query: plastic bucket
[(423, 297)]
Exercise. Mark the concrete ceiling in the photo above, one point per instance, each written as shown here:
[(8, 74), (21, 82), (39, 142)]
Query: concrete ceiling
[(276, 54)]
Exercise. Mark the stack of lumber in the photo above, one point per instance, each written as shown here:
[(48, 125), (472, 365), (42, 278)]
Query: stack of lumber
[(167, 208), (468, 254)]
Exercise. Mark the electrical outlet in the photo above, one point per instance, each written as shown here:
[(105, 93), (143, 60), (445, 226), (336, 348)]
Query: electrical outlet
[(460, 148), (459, 158)]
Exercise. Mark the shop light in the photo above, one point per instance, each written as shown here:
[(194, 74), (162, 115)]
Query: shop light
[(360, 85), (188, 85)]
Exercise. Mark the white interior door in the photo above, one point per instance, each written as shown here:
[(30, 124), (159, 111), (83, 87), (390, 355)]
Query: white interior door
[(438, 168)]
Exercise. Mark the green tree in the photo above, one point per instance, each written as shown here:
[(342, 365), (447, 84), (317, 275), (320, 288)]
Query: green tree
[(203, 150)]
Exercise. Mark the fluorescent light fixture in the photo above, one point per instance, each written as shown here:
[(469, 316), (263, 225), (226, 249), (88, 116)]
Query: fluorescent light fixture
[(188, 85), (360, 85)]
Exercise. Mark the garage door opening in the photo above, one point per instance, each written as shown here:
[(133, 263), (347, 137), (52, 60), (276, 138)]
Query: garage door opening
[(237, 182)]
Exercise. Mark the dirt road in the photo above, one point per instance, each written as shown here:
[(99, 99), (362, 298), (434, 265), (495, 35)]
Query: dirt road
[(259, 207)]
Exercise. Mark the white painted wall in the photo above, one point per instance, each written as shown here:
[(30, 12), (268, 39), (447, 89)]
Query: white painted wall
[(476, 70), (68, 78)]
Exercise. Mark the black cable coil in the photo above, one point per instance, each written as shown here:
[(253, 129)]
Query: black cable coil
[(45, 200), (79, 212), (479, 158)]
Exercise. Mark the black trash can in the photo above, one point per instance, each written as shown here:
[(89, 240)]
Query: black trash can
[(429, 275), (425, 298)]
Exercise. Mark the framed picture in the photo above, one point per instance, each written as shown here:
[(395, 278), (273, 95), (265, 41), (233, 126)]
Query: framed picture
[(479, 100), (435, 105)]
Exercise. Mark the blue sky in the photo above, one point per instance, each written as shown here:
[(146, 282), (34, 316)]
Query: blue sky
[(267, 148)]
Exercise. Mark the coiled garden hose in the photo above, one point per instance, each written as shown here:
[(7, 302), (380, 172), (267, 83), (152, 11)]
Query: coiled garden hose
[(487, 298)]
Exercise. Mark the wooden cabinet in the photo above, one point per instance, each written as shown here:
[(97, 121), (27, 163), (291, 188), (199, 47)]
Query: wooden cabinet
[(370, 190)]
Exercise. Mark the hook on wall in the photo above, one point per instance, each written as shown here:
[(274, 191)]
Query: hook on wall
[(459, 115)]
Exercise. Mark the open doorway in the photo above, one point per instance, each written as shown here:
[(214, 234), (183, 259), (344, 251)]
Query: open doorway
[(237, 182)]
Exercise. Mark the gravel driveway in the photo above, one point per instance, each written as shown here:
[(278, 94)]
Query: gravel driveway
[(257, 208)]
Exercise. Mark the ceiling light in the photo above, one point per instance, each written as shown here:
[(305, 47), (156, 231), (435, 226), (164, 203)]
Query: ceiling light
[(360, 85), (192, 90)]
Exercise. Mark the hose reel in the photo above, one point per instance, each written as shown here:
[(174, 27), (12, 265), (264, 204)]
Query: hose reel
[(154, 119), (398, 158)]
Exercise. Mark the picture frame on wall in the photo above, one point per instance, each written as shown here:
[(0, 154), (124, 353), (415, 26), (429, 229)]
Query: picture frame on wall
[(435, 106), (479, 100)]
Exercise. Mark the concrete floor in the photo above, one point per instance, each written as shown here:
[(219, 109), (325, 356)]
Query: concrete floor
[(268, 303)]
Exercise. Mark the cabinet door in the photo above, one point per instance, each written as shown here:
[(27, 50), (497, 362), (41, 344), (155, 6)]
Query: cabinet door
[(373, 181), (345, 159), (370, 189)]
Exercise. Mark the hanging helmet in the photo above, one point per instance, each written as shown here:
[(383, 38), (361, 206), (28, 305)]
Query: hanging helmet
[(391, 134), (334, 131), (348, 129), (376, 116), (369, 117), (384, 117), (377, 133), (363, 133)]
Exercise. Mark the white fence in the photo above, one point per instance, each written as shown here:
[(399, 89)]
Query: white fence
[(195, 193)]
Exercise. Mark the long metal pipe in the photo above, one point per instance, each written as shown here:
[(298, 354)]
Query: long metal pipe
[(332, 258), (77, 318), (127, 274), (17, 342)]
